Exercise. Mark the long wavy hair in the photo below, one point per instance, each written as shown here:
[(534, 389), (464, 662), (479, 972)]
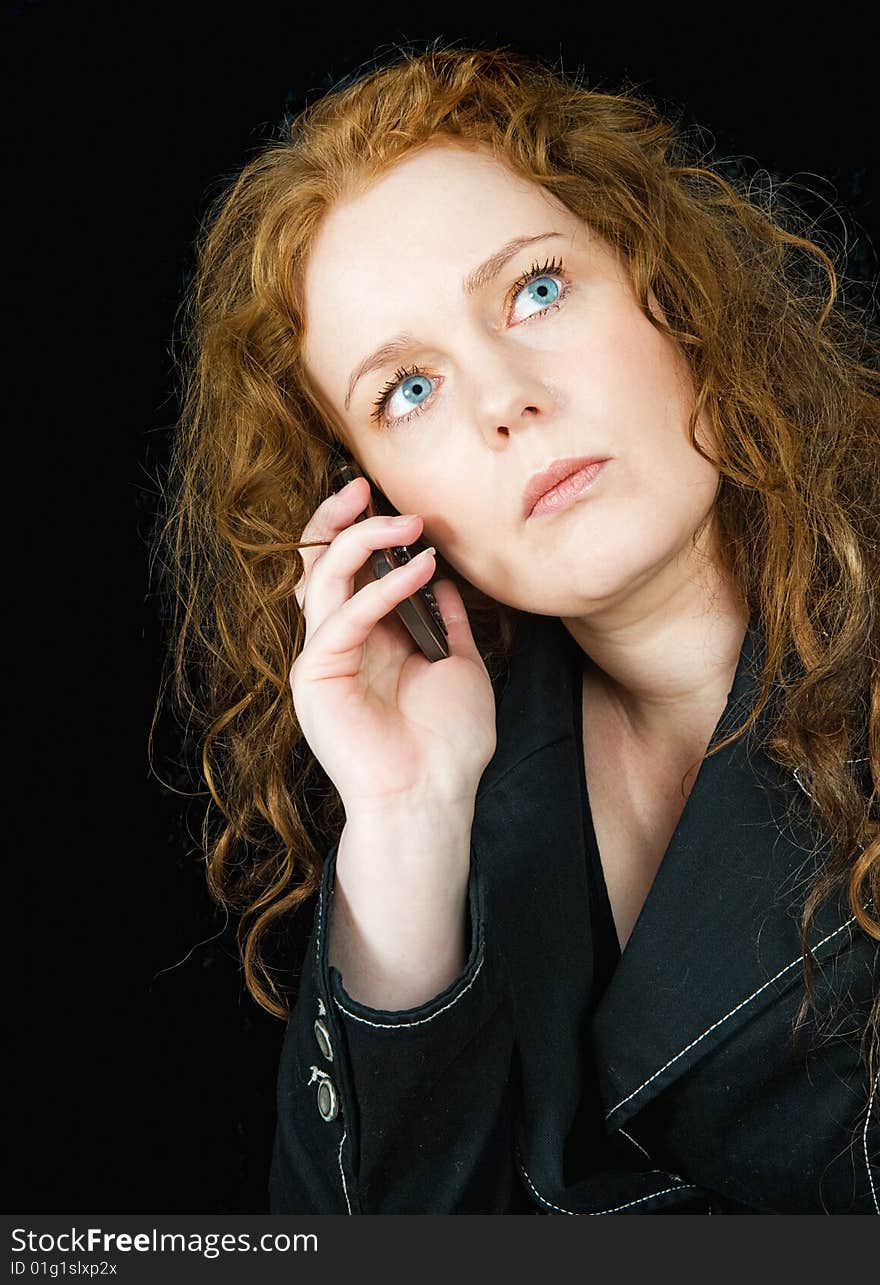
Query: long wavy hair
[(783, 365)]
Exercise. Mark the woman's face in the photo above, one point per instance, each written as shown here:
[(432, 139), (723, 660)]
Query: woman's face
[(551, 357)]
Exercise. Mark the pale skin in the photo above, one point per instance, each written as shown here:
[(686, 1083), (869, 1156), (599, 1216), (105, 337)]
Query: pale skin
[(506, 382)]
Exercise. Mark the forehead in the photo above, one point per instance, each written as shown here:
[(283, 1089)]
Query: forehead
[(437, 211), (393, 257)]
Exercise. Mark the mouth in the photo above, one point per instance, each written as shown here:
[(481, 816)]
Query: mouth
[(555, 487)]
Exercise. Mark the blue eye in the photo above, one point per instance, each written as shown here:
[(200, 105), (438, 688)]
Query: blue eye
[(413, 386), (547, 284), (543, 290), (414, 390)]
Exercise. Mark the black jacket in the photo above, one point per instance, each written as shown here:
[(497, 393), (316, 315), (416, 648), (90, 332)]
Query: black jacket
[(681, 1091)]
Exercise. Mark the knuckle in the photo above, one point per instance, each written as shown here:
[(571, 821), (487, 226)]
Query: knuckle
[(367, 534), (311, 526), (296, 676), (353, 540), (324, 522)]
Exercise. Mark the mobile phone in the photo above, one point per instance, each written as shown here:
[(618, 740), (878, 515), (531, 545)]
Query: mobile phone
[(419, 612)]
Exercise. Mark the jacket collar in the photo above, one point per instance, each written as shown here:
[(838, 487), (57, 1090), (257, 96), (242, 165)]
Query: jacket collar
[(717, 938)]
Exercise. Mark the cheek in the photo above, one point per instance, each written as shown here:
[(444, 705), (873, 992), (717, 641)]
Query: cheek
[(630, 364), (641, 389), (641, 363), (447, 508)]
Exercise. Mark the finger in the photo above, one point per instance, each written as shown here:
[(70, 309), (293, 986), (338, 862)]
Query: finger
[(336, 649), (332, 580), (330, 517)]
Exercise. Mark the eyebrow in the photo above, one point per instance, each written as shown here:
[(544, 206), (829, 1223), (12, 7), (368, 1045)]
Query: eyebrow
[(476, 280)]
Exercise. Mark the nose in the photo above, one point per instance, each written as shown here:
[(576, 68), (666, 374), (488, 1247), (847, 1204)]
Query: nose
[(504, 387)]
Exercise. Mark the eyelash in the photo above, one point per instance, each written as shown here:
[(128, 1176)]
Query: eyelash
[(554, 267)]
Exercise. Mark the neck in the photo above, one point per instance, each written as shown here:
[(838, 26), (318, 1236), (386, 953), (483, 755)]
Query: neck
[(662, 662)]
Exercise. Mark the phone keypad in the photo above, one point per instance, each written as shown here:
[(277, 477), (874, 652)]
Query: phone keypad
[(435, 610), (402, 553)]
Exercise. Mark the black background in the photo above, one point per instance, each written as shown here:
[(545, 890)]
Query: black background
[(140, 1083)]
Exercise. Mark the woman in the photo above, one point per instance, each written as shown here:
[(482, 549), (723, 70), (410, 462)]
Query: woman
[(598, 928)]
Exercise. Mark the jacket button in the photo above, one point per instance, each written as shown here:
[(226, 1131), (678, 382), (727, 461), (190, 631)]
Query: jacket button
[(328, 1102), (322, 1035)]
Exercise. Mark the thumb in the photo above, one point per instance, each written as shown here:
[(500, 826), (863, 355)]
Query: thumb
[(454, 613)]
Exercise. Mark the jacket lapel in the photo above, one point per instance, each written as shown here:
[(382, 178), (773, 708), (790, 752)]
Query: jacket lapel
[(528, 851), (717, 938)]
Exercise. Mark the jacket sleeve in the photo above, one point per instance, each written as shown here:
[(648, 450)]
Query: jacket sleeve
[(396, 1112)]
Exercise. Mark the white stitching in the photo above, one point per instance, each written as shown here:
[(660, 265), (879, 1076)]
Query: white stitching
[(342, 1171), (629, 1203), (635, 1144), (865, 1143), (796, 770), (388, 1025), (741, 1004), (800, 783), (318, 939), (322, 1011), (420, 1021), (538, 1194), (689, 1186)]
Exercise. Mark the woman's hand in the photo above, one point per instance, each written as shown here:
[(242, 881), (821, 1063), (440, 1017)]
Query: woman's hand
[(389, 727)]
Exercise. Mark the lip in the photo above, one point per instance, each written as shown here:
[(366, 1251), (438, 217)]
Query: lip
[(540, 483)]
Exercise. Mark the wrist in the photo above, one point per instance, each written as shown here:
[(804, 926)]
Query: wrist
[(407, 851)]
